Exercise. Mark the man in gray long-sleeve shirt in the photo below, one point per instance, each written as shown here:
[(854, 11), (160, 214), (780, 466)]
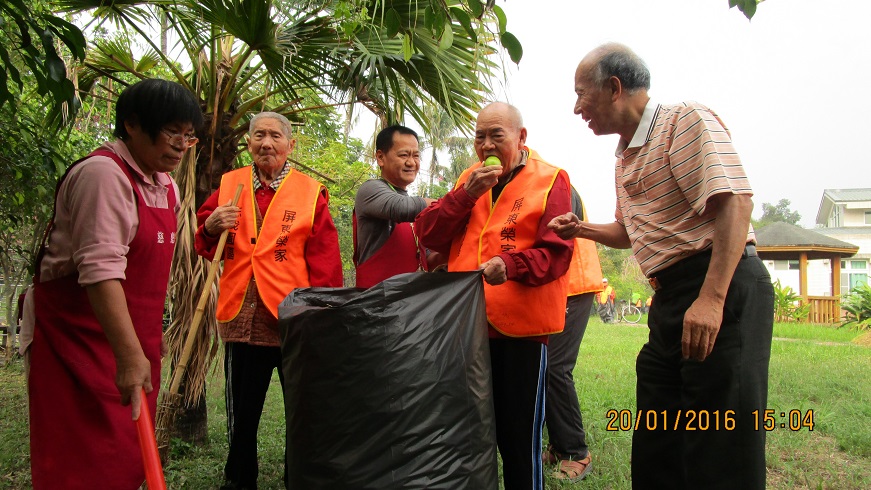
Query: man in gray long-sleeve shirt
[(384, 241)]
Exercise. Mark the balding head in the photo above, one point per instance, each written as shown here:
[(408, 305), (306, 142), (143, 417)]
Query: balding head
[(615, 60), (510, 113), (499, 132)]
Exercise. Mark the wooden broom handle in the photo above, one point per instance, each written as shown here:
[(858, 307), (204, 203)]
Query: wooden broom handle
[(182, 365)]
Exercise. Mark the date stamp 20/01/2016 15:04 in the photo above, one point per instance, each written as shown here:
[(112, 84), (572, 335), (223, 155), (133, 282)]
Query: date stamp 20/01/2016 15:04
[(704, 420)]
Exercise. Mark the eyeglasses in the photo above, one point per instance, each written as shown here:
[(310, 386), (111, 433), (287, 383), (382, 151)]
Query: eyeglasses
[(180, 139)]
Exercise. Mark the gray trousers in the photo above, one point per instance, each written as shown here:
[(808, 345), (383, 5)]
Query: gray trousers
[(565, 427)]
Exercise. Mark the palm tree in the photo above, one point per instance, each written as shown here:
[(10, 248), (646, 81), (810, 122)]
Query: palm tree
[(244, 56), (445, 135), (462, 152), (441, 128)]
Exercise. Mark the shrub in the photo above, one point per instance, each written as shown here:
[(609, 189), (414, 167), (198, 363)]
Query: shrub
[(787, 305), (857, 304)]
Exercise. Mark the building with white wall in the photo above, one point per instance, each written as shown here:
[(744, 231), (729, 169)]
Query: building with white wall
[(845, 214)]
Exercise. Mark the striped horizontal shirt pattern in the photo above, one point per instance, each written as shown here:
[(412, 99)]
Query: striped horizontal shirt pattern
[(664, 182)]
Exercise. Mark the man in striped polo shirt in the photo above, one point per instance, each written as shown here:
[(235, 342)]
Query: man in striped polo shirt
[(683, 205)]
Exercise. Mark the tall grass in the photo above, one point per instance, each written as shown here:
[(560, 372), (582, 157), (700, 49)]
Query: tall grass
[(812, 367)]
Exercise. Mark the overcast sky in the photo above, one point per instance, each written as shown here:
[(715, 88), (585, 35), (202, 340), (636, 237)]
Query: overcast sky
[(791, 85)]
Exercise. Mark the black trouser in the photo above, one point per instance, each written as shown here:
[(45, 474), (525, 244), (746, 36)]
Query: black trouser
[(518, 401), (717, 454), (248, 372), (565, 427)]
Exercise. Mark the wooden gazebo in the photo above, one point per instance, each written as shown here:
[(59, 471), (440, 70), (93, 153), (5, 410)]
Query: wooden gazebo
[(783, 241)]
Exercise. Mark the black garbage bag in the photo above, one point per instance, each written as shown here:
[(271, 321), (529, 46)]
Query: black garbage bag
[(389, 387)]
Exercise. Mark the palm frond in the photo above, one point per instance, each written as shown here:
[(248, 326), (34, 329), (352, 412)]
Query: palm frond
[(451, 76), (116, 12)]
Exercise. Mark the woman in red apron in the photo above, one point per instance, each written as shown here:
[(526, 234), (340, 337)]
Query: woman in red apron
[(99, 294)]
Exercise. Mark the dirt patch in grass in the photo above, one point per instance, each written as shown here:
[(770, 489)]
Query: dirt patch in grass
[(819, 342), (864, 339), (821, 465)]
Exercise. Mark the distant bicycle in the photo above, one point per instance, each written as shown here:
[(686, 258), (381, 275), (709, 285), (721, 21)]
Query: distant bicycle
[(629, 312)]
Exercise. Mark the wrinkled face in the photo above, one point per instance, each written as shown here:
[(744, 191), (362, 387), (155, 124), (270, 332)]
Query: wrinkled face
[(400, 164), (164, 153), (269, 146), (594, 102), (497, 133)]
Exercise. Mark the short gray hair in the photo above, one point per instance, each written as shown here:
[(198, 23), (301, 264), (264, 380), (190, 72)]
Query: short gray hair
[(285, 124), (617, 60)]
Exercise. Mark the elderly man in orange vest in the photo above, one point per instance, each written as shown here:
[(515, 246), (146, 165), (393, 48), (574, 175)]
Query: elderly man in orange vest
[(495, 219), (281, 237)]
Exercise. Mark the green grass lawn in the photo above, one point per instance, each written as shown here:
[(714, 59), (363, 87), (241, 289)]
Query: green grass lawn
[(813, 367), (814, 332)]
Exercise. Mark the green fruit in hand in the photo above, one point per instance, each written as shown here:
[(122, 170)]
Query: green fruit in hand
[(492, 160)]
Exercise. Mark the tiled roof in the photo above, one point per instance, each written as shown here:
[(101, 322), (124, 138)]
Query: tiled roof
[(848, 195), (833, 196), (787, 235)]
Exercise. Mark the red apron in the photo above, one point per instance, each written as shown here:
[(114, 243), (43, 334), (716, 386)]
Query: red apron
[(80, 435), (401, 253)]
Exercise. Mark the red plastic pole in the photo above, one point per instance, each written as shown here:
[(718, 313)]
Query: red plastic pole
[(150, 457)]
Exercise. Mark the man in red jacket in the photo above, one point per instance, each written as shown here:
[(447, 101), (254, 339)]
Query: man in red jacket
[(281, 237), (496, 219)]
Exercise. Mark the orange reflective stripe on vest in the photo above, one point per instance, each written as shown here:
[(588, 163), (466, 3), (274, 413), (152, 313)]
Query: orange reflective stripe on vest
[(275, 256), (511, 223)]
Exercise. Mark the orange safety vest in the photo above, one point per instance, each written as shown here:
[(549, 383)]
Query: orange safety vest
[(511, 223), (585, 273), (274, 254)]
